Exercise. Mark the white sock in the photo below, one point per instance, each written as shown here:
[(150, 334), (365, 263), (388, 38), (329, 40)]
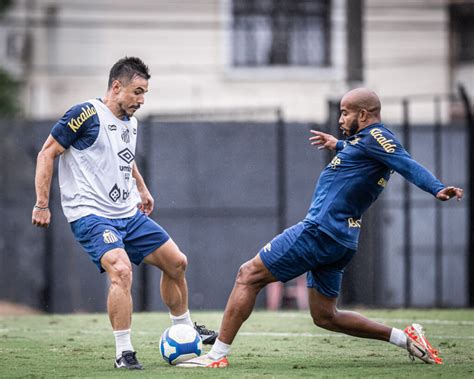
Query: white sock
[(219, 350), (185, 319), (122, 342), (398, 337)]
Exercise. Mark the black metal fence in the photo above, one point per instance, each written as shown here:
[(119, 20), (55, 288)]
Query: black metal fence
[(225, 183)]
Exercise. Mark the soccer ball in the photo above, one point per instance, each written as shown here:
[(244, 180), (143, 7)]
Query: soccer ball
[(179, 343)]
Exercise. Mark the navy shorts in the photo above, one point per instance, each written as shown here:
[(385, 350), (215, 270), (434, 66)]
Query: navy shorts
[(301, 249), (138, 235)]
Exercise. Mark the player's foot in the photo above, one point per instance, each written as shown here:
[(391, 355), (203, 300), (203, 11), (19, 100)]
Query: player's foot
[(419, 347), (205, 361), (128, 360), (208, 336)]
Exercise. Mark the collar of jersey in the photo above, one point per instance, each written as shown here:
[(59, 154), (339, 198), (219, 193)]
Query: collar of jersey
[(365, 131)]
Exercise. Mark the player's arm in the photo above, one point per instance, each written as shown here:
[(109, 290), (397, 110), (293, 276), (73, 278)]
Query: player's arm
[(147, 201), (325, 141), (66, 132), (44, 172), (392, 154)]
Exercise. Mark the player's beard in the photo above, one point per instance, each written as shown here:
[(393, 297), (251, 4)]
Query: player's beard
[(354, 128)]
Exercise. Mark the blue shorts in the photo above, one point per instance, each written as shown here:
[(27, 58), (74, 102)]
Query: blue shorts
[(138, 235), (301, 249)]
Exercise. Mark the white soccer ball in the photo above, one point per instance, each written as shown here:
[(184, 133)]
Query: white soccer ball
[(179, 343)]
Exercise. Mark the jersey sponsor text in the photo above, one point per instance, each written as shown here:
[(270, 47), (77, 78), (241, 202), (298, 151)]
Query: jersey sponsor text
[(75, 123), (384, 142)]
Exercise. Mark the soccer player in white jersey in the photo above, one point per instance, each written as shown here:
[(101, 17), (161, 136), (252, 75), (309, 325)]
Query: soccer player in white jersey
[(101, 188)]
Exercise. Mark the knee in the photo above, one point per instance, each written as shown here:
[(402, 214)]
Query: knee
[(121, 274), (248, 276), (177, 268), (324, 318)]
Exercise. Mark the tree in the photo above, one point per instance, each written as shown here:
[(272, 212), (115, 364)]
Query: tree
[(9, 88)]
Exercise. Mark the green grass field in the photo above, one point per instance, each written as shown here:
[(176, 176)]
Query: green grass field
[(270, 345)]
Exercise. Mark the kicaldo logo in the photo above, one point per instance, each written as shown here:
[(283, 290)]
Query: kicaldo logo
[(75, 123), (383, 141)]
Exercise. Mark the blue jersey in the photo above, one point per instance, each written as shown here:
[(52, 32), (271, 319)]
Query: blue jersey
[(355, 178)]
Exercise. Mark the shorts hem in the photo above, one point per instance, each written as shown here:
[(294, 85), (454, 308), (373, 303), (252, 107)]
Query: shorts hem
[(321, 291), (268, 267), (157, 246)]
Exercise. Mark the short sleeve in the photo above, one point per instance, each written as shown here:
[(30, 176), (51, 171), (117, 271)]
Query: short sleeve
[(78, 127)]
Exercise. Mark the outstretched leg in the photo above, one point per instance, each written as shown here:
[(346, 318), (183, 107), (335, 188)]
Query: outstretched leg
[(326, 315), (251, 278)]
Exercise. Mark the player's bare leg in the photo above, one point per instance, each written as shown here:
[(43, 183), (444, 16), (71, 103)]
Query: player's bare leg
[(173, 288), (326, 315), (119, 305), (251, 278), (119, 302)]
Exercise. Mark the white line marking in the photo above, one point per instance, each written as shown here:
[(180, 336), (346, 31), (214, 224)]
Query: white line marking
[(389, 320)]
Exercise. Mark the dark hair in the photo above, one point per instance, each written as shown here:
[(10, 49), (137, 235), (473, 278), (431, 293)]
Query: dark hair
[(128, 67)]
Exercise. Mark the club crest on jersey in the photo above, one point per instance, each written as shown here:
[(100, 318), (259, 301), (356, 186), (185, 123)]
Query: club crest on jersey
[(383, 141), (109, 236), (75, 123), (125, 135)]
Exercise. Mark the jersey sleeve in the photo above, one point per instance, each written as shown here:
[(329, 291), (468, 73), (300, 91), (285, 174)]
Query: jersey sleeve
[(384, 147), (73, 127), (340, 145)]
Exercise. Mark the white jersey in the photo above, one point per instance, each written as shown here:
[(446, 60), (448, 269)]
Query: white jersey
[(95, 171)]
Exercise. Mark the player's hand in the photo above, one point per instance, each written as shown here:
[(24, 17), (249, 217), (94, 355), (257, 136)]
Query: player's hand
[(323, 140), (41, 217), (450, 192), (147, 204)]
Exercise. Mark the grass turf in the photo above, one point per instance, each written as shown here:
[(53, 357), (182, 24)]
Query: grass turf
[(269, 345)]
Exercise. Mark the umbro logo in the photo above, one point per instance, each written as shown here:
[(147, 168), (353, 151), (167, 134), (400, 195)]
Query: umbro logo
[(112, 127), (126, 155)]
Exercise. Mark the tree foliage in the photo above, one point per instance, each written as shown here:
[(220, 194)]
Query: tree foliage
[(9, 88)]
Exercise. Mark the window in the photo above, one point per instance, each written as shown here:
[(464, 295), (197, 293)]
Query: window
[(280, 33), (462, 16)]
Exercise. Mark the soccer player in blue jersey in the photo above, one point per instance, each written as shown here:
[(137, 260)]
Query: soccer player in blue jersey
[(101, 189), (326, 240)]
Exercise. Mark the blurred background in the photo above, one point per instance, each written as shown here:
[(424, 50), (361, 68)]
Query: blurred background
[(236, 85)]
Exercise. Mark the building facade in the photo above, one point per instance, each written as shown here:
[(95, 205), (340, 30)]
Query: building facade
[(213, 54)]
